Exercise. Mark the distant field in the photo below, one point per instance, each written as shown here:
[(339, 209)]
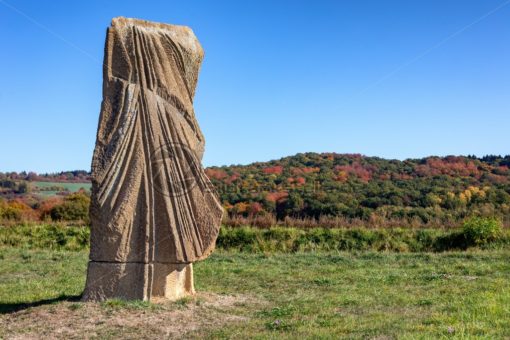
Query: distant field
[(71, 187)]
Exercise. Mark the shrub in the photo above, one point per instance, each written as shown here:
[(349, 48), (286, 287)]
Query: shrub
[(481, 230), (74, 208), (45, 207), (16, 210)]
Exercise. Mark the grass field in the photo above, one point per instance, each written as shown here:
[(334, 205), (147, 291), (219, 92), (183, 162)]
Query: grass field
[(71, 187), (378, 295)]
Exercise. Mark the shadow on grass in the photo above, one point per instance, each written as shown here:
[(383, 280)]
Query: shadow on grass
[(6, 308)]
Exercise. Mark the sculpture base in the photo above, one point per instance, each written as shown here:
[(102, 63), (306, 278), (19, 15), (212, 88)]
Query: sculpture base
[(138, 281)]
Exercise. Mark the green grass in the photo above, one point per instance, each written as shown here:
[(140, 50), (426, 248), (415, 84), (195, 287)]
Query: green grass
[(39, 276), (368, 294), (274, 240), (308, 295), (45, 236), (71, 187)]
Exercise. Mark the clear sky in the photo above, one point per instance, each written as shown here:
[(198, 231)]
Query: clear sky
[(395, 79)]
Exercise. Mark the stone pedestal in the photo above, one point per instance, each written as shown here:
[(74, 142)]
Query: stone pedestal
[(138, 281), (172, 281)]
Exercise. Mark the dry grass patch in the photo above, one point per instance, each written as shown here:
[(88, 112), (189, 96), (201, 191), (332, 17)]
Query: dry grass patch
[(73, 320)]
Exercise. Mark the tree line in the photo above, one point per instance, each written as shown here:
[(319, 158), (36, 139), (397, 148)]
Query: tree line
[(338, 189)]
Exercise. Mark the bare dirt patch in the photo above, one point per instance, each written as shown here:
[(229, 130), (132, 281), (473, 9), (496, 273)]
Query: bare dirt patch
[(70, 320)]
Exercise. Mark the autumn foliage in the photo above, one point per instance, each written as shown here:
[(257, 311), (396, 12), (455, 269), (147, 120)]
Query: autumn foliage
[(438, 190), (331, 189), (73, 207)]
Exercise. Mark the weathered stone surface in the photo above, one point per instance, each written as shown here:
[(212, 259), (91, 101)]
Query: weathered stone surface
[(153, 209), (140, 281)]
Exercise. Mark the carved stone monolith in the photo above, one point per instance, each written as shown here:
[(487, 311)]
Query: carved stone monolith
[(153, 210)]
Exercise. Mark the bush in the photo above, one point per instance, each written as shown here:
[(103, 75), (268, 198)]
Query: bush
[(482, 230), (16, 210), (74, 208)]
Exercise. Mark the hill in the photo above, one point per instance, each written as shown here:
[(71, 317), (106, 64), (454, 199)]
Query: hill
[(333, 188), (353, 186)]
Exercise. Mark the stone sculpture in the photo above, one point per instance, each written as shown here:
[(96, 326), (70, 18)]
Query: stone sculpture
[(153, 211)]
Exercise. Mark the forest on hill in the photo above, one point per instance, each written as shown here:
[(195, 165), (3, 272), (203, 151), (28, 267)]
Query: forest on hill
[(432, 190), (321, 189)]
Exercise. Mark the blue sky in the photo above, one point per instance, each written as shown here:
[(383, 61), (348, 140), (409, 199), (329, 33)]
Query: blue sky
[(395, 79)]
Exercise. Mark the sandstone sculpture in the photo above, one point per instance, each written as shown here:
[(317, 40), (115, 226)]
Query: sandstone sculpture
[(153, 212)]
